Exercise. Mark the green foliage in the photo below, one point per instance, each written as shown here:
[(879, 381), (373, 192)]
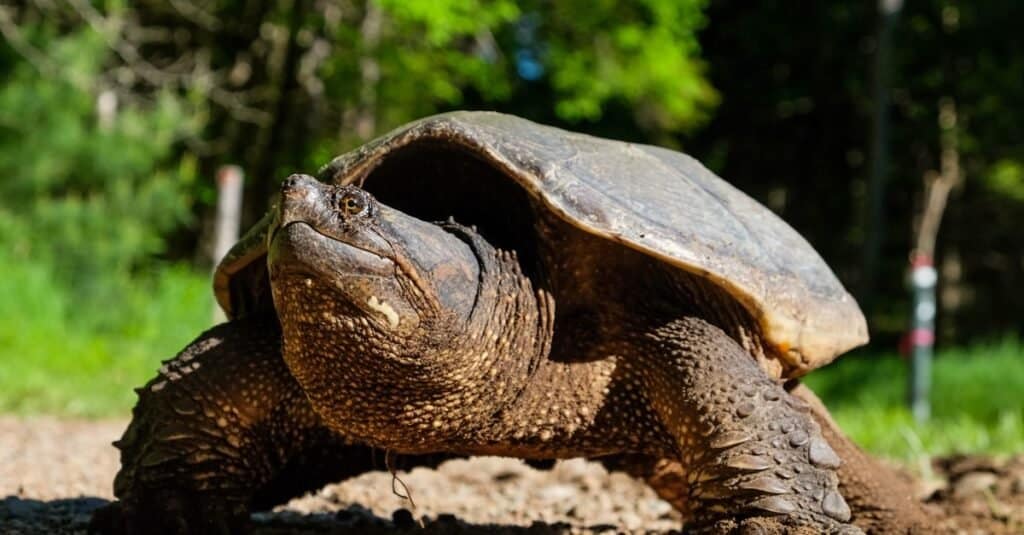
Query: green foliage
[(1006, 178), (976, 401), (84, 209), (430, 55), (648, 58), (443, 22), (56, 361), (89, 204), (91, 201)]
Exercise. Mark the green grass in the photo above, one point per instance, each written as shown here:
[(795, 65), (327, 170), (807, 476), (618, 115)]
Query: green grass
[(59, 355), (79, 357), (977, 402)]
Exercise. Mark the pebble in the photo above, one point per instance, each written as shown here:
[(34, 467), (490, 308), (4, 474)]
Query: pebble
[(403, 519), (55, 473), (974, 483)]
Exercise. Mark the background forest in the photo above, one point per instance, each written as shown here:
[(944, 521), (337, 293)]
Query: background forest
[(844, 118)]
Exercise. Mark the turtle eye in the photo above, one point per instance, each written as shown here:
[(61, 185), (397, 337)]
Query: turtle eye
[(353, 204)]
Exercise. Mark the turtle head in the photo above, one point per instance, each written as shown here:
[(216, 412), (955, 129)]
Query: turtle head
[(376, 309), (340, 259)]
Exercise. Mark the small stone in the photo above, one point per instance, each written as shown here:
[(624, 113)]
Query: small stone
[(557, 493), (973, 483), (835, 506), (1018, 484), (402, 518), (771, 395), (654, 508), (798, 438), (751, 527), (630, 520), (446, 518)]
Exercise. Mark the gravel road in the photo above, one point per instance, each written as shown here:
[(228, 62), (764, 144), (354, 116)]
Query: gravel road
[(54, 473)]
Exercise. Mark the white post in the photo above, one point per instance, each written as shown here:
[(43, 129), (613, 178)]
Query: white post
[(923, 278), (229, 214)]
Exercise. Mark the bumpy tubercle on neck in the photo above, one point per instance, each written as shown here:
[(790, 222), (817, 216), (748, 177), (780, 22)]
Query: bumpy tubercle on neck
[(446, 391)]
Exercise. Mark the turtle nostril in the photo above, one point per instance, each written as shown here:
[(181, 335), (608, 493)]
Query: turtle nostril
[(297, 184), (289, 183)]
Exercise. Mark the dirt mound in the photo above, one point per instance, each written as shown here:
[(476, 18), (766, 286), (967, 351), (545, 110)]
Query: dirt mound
[(55, 473), (980, 494)]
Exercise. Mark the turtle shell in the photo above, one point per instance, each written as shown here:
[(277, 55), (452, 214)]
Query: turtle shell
[(658, 201)]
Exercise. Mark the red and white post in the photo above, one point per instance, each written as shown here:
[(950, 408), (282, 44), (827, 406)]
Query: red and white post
[(921, 338)]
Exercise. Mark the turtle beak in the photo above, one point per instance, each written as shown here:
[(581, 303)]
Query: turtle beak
[(443, 268), (302, 200)]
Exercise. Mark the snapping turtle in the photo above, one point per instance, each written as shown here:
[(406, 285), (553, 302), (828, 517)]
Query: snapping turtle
[(578, 297)]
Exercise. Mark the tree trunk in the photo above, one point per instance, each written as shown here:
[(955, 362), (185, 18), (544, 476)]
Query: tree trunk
[(362, 119), (939, 185)]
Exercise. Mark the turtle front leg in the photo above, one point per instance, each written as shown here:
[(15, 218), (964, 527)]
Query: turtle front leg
[(222, 430), (882, 500), (753, 457)]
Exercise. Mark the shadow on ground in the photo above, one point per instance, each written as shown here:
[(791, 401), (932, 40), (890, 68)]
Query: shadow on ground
[(71, 516)]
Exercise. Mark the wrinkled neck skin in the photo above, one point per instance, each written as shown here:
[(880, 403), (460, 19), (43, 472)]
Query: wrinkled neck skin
[(437, 390)]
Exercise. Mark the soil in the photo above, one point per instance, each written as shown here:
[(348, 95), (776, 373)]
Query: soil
[(54, 473)]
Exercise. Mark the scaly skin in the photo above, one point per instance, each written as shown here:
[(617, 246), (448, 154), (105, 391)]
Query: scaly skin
[(424, 339), (751, 452), (693, 414), (883, 503), (222, 430), (476, 374)]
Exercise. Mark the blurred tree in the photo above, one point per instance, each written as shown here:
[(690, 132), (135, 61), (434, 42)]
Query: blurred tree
[(283, 85), (792, 129), (92, 194), (971, 53)]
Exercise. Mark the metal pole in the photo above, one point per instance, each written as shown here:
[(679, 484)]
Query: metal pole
[(923, 278), (229, 214)]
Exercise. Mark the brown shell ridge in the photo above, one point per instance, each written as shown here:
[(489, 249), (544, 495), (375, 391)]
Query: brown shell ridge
[(803, 309), (250, 247), (811, 326)]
